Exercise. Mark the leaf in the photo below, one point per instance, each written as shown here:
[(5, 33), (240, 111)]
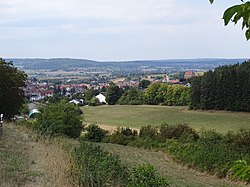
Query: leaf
[(211, 1), (248, 34), (230, 12)]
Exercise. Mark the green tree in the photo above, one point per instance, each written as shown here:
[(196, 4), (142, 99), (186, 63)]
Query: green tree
[(236, 13), (144, 84), (94, 133), (11, 88), (113, 94), (151, 93), (89, 94), (225, 88), (60, 119), (132, 96)]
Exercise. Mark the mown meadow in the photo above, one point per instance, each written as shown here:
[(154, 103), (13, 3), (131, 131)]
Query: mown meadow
[(143, 115)]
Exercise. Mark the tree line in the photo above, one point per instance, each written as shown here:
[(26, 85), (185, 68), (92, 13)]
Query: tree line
[(225, 88), (154, 94)]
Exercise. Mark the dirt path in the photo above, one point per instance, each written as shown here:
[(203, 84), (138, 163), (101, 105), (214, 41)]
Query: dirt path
[(32, 163)]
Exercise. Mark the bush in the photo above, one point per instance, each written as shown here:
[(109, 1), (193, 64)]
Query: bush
[(239, 140), (94, 133), (122, 136), (148, 132), (95, 167), (241, 170), (127, 131), (177, 132), (210, 137), (146, 176), (59, 119)]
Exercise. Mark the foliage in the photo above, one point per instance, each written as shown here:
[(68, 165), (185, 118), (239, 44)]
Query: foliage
[(144, 84), (60, 119), (148, 132), (113, 94), (165, 94), (25, 109), (89, 94), (54, 99), (207, 151), (146, 176), (236, 13), (225, 88), (177, 132), (94, 102), (241, 170), (132, 96), (95, 167), (122, 136), (11, 89), (94, 133)]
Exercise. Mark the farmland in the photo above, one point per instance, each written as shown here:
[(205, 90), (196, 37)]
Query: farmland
[(137, 116)]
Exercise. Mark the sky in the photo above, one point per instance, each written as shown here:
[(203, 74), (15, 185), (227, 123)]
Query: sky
[(119, 29)]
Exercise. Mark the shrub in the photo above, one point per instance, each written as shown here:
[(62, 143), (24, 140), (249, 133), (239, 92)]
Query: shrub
[(146, 176), (241, 170), (127, 131), (176, 132), (59, 119), (148, 132), (122, 136), (210, 137), (95, 167), (94, 133), (239, 140)]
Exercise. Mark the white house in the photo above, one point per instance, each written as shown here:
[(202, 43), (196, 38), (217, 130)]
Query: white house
[(101, 98)]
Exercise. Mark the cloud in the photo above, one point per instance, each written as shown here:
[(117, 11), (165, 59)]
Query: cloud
[(153, 27)]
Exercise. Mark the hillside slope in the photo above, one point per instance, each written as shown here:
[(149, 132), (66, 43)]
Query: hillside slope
[(177, 174)]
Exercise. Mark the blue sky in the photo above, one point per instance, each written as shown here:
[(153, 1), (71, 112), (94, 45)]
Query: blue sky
[(119, 29)]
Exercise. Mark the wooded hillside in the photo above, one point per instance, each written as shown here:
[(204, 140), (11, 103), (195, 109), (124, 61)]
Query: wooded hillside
[(225, 88)]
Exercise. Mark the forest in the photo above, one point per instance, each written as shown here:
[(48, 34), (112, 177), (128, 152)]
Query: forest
[(225, 88)]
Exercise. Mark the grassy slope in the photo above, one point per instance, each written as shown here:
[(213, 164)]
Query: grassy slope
[(178, 175), (24, 161), (13, 159), (137, 116)]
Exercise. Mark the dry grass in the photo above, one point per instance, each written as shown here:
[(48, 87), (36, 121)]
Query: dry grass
[(43, 163)]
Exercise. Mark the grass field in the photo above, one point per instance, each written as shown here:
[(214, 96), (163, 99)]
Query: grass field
[(137, 116)]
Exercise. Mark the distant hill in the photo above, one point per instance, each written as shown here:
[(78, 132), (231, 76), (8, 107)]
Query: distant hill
[(53, 64), (68, 63)]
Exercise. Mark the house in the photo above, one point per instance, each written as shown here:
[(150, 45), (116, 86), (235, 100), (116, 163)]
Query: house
[(188, 74), (174, 81), (101, 98), (199, 73)]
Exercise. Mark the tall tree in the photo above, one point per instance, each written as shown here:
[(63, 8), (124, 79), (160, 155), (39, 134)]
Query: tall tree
[(113, 94), (11, 88)]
